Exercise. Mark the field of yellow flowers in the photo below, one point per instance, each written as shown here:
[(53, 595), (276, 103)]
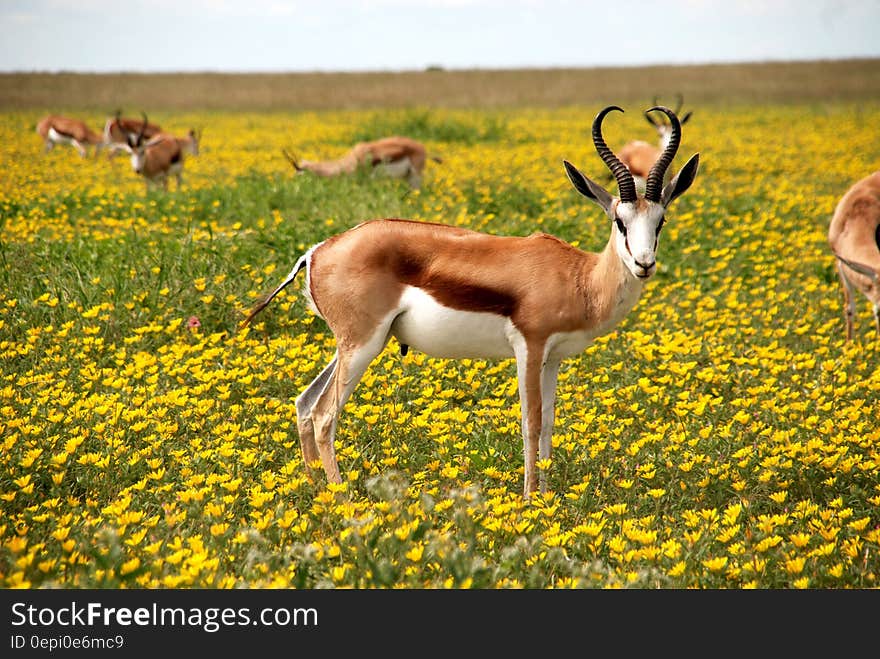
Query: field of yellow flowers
[(725, 436)]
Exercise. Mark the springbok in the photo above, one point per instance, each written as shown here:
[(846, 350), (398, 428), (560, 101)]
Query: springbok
[(160, 157), (55, 129), (854, 237), (454, 293), (397, 157), (640, 156), (119, 130)]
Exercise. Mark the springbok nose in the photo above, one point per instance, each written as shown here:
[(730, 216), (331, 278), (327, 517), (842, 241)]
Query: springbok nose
[(645, 267)]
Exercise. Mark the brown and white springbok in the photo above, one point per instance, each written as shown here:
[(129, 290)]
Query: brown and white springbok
[(454, 293), (397, 157), (639, 156), (56, 129), (119, 131), (854, 237), (160, 157)]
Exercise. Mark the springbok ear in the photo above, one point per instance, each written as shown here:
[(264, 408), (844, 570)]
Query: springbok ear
[(685, 118), (588, 188), (682, 181)]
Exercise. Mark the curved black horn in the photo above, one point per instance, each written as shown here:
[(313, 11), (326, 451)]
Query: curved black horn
[(625, 183), (143, 129), (291, 159), (654, 183)]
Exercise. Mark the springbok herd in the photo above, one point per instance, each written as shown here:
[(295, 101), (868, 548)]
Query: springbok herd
[(453, 293)]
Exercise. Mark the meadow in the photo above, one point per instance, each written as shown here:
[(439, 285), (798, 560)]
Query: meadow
[(724, 436)]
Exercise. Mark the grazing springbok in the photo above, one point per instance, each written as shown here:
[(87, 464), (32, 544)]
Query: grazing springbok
[(160, 157), (119, 130), (56, 129), (454, 293), (854, 237), (639, 156), (397, 157)]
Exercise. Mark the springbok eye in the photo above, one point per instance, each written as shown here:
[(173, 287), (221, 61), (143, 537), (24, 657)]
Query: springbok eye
[(660, 224), (620, 225)]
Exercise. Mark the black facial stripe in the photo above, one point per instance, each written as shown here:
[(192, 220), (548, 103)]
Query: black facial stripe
[(660, 224), (620, 225)]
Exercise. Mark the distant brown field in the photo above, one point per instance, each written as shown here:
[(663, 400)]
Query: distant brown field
[(778, 82)]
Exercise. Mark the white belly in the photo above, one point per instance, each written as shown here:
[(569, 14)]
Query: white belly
[(439, 331), (58, 138), (397, 169)]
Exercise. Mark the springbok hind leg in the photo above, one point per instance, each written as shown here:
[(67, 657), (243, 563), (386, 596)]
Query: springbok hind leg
[(305, 403), (351, 364)]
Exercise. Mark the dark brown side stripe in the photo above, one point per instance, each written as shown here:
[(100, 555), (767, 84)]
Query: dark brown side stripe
[(455, 293)]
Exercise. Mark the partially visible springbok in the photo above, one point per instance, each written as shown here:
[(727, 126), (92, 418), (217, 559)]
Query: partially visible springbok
[(854, 237), (639, 156), (454, 293), (119, 130), (56, 129), (397, 157), (160, 157)]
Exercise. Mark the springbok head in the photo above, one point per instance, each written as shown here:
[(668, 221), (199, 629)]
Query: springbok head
[(136, 146), (638, 218), (664, 129), (193, 140), (294, 162)]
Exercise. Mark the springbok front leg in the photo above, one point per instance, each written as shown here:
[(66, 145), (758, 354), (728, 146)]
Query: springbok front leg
[(849, 302), (528, 372)]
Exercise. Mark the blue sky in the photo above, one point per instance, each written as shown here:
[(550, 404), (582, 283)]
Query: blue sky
[(373, 35)]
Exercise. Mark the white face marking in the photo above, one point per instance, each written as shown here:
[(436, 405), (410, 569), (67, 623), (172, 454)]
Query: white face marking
[(138, 159), (441, 331), (638, 248)]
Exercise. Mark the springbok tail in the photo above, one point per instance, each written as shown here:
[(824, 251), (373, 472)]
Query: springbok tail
[(301, 263)]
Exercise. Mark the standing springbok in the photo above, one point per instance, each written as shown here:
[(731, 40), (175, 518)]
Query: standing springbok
[(639, 156), (397, 157), (160, 157), (55, 129), (455, 293), (854, 237), (119, 130)]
